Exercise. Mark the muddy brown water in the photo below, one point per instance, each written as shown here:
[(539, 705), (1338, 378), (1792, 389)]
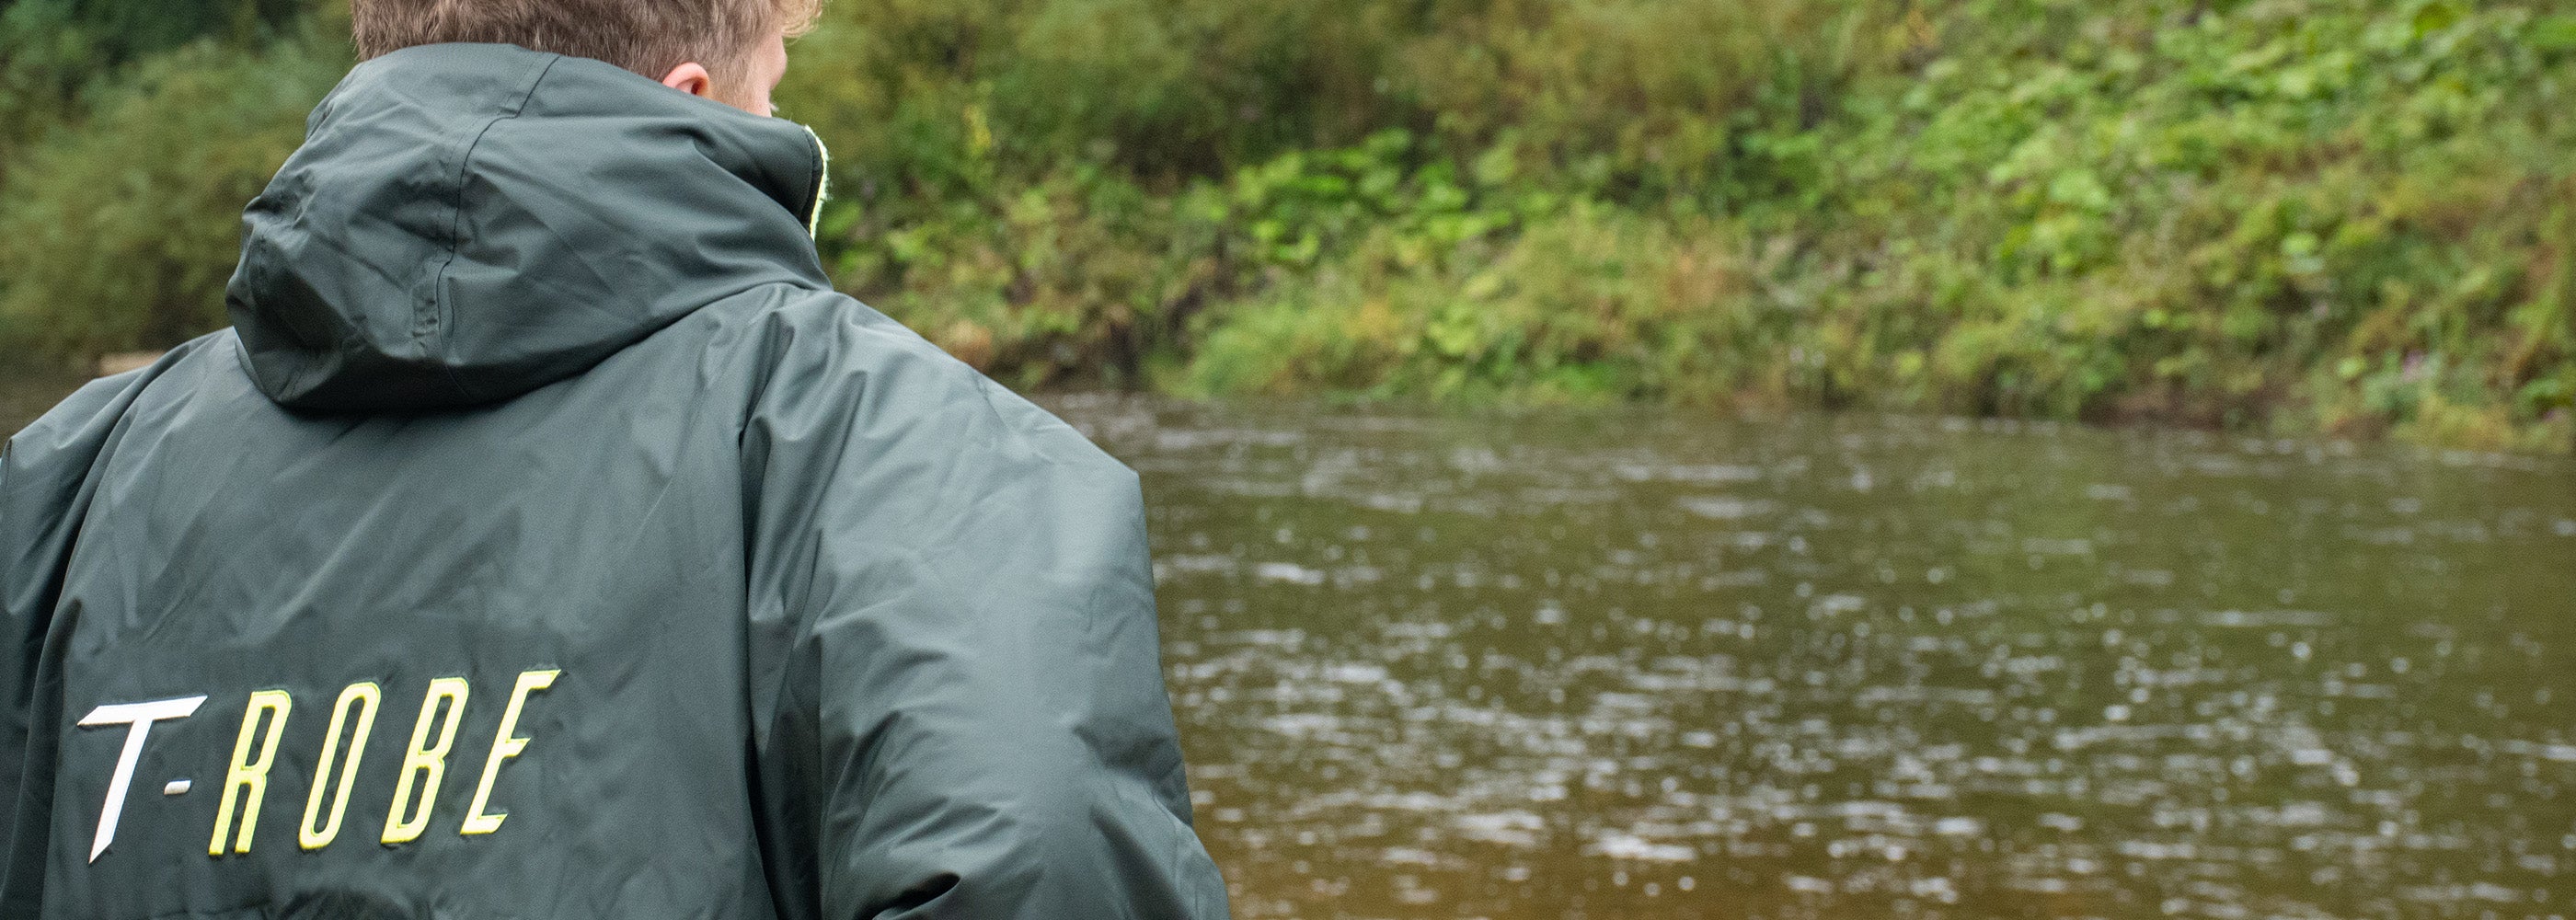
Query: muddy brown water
[(1653, 664)]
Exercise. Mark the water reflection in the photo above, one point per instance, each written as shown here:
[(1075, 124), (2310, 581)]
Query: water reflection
[(1643, 666)]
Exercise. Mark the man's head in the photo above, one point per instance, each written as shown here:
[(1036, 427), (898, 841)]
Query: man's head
[(732, 51)]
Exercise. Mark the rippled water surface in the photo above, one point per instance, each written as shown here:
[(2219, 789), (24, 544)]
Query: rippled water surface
[(1654, 665), (1649, 665)]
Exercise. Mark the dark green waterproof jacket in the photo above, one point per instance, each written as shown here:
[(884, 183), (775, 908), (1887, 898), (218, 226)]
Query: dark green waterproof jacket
[(549, 540)]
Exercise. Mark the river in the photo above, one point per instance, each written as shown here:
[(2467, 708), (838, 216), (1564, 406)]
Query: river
[(1645, 664)]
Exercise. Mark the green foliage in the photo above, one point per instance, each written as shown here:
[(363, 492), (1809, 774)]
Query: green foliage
[(2323, 214), (123, 229), (51, 51), (2199, 213), (2292, 215), (1581, 306)]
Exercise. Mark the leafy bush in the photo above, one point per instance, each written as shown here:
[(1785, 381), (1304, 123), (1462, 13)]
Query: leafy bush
[(2293, 215), (122, 230), (52, 51), (2192, 211), (2302, 214)]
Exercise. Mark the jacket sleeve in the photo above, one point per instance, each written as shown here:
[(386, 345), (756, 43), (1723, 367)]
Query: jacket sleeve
[(45, 490), (969, 718)]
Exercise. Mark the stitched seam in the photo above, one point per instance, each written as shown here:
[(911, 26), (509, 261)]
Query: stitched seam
[(432, 320)]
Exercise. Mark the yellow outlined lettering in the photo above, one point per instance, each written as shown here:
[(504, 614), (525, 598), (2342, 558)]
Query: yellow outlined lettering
[(425, 760), (366, 698), (249, 774), (504, 747)]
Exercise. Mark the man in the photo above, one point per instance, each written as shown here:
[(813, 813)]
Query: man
[(549, 540)]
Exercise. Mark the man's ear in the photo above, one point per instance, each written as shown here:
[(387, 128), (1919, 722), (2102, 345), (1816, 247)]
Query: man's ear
[(690, 78)]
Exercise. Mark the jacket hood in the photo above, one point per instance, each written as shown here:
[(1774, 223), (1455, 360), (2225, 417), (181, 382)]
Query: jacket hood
[(467, 222)]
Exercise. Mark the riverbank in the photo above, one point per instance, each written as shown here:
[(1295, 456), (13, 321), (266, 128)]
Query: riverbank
[(2309, 217)]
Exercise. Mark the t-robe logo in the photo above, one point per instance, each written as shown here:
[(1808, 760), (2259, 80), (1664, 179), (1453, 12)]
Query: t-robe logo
[(335, 771)]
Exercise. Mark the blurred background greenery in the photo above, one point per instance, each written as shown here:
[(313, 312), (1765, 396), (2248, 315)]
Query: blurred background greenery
[(2350, 217)]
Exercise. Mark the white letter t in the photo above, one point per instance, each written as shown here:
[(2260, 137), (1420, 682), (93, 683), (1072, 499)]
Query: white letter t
[(140, 716)]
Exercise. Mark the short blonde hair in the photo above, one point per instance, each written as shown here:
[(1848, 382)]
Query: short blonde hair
[(648, 37)]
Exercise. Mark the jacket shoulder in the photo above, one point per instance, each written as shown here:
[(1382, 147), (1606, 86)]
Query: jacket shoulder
[(75, 427), (824, 360)]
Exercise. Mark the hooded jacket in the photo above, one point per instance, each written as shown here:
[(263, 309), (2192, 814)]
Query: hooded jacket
[(549, 540)]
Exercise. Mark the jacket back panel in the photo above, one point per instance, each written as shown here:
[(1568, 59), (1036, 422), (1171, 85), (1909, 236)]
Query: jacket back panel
[(526, 623)]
